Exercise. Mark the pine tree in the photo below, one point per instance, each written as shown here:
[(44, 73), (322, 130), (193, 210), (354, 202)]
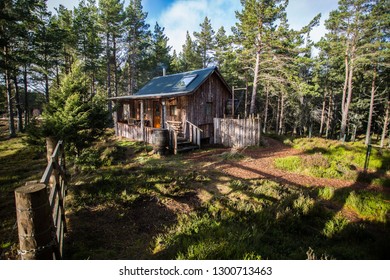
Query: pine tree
[(205, 42), (159, 57), (226, 58), (89, 43), (73, 115), (256, 24), (138, 39), (190, 59), (111, 18)]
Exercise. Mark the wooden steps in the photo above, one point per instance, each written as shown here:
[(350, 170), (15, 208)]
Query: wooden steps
[(183, 145)]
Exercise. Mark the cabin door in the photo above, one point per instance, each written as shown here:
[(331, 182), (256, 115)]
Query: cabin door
[(156, 114)]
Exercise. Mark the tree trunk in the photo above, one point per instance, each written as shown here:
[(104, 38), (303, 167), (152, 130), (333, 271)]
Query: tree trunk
[(266, 108), (344, 118), (10, 105), (277, 115), (26, 105), (281, 118), (323, 112), (19, 112), (329, 116), (7, 79), (373, 90), (115, 67), (46, 77), (385, 124), (254, 90), (345, 80), (108, 73)]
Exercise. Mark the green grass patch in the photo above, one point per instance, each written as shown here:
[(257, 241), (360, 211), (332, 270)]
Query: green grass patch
[(369, 205), (291, 163), (333, 159), (326, 193)]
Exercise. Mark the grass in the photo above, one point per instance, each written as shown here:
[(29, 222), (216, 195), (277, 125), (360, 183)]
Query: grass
[(369, 205), (333, 159), (126, 203), (19, 164)]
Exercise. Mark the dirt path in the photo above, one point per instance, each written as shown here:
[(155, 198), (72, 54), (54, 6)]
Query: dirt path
[(260, 165)]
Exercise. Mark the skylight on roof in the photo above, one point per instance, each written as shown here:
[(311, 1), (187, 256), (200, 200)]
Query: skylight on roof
[(185, 81)]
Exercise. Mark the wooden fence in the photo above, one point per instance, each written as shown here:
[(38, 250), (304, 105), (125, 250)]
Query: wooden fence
[(134, 132), (237, 133), (40, 211)]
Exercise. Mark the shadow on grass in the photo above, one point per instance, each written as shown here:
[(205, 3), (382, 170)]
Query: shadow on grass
[(151, 210)]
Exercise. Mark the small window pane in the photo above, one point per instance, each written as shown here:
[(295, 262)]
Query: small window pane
[(185, 81)]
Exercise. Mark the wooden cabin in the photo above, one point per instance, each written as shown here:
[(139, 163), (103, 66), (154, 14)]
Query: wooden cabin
[(185, 103)]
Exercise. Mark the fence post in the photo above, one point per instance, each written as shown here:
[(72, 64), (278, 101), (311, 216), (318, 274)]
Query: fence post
[(34, 222)]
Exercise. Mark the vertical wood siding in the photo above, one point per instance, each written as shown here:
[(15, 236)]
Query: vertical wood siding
[(238, 133)]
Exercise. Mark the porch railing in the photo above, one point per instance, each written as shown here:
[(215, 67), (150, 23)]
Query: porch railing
[(194, 133)]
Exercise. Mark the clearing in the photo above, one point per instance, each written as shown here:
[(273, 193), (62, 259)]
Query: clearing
[(126, 203)]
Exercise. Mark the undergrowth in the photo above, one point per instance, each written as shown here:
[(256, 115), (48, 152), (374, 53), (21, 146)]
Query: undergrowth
[(333, 159), (126, 203)]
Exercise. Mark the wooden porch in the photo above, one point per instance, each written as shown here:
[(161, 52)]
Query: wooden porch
[(180, 139)]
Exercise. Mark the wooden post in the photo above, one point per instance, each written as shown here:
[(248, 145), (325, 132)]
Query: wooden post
[(233, 102), (142, 121), (34, 222), (175, 142), (51, 144), (164, 113)]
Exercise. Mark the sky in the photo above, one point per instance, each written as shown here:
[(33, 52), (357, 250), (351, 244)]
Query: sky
[(178, 16)]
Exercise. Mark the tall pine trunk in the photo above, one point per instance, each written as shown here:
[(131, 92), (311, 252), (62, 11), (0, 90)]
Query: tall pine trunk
[(281, 117), (108, 53), (26, 105), (323, 112), (385, 124), (114, 51), (252, 109), (19, 111), (46, 78), (347, 103), (277, 115), (266, 108), (373, 90), (9, 95), (329, 115)]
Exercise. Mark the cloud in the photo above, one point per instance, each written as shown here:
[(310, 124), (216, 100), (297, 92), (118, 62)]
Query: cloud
[(181, 16)]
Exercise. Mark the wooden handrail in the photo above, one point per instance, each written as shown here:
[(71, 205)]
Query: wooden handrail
[(190, 123), (194, 133)]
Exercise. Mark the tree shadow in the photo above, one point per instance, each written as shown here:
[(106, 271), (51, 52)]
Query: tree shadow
[(281, 221), (287, 228), (108, 232)]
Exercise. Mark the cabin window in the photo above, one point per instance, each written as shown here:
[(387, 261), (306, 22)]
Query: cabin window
[(133, 111), (126, 112), (209, 109), (173, 110), (185, 81)]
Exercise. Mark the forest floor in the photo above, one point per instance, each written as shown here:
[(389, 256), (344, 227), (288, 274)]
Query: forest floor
[(259, 164), (125, 202)]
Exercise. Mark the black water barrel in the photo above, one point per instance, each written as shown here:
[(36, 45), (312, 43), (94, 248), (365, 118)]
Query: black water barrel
[(160, 141)]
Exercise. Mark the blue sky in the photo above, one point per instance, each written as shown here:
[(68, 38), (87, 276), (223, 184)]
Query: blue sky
[(178, 16)]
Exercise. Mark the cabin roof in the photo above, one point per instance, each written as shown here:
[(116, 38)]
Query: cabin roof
[(174, 85)]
